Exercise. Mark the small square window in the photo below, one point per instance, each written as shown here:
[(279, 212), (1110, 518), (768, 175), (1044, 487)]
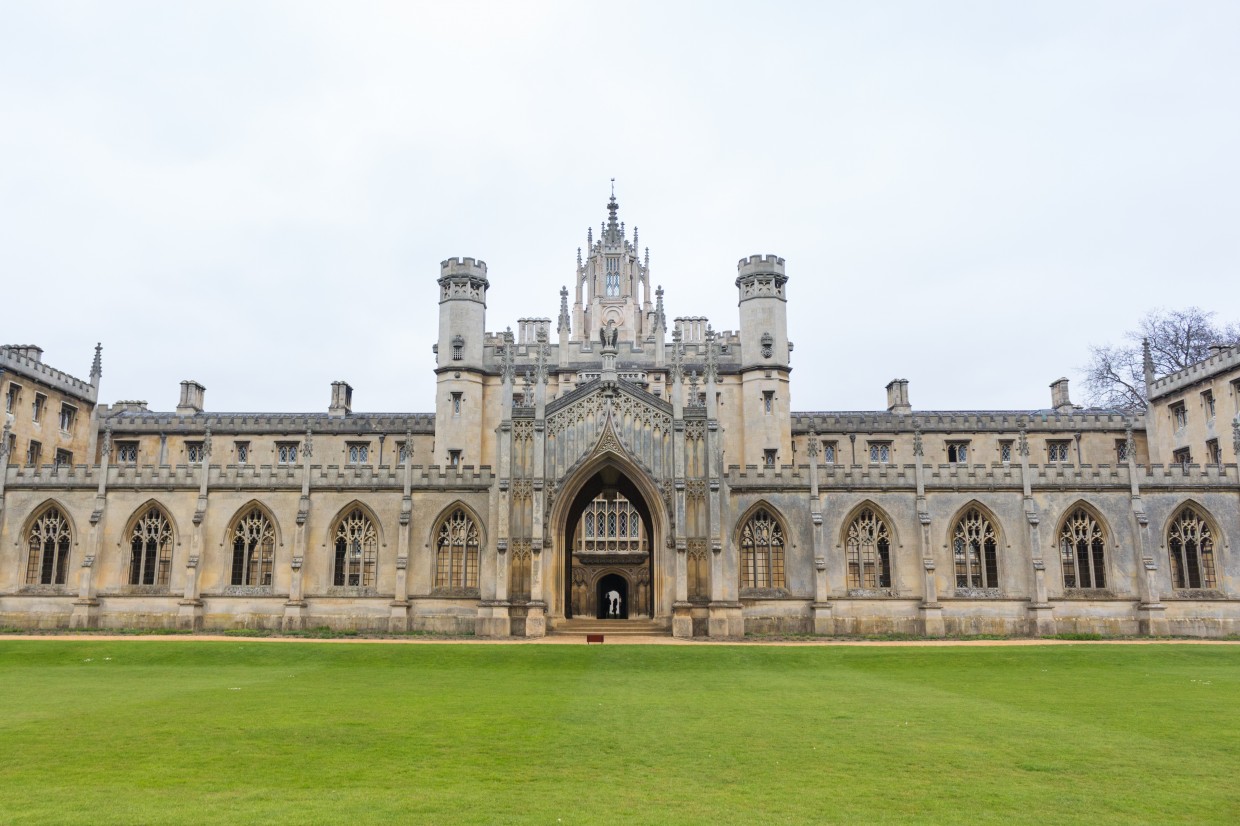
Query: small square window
[(1005, 451), (828, 453), (1058, 451), (11, 397), (64, 458), (194, 452), (33, 452), (359, 453), (127, 453), (454, 458), (40, 404), (958, 452), (880, 453), (1213, 455), (68, 415), (768, 457), (286, 453), (242, 452), (1179, 415)]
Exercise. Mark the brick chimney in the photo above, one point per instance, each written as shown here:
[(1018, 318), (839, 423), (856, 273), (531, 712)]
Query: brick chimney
[(192, 396), (342, 399), (897, 397)]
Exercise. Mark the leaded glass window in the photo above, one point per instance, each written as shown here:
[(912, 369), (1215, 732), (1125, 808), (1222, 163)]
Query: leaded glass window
[(762, 552), (869, 551), (254, 549), (150, 549), (457, 546), (880, 452), (286, 453), (48, 544), (611, 525), (975, 551), (1191, 545), (1082, 551), (357, 550)]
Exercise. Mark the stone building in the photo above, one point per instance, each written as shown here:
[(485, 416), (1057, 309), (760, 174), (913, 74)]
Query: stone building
[(625, 467)]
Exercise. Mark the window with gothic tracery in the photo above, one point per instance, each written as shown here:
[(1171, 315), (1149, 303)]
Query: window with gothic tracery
[(869, 551), (150, 549), (1082, 551), (976, 552), (613, 275), (357, 551), (48, 543), (457, 546), (611, 525), (762, 552), (1191, 545), (254, 549)]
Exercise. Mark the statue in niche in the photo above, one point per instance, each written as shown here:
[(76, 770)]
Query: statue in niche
[(613, 603), (608, 336)]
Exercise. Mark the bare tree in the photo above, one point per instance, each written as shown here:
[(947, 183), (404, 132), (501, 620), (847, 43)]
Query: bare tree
[(1115, 375)]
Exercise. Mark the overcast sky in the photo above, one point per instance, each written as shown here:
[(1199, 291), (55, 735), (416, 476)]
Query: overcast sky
[(258, 195)]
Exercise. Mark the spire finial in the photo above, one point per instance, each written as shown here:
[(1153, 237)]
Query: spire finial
[(96, 366), (613, 189)]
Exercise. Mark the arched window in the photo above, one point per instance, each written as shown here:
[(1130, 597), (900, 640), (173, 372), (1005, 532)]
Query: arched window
[(254, 549), (762, 552), (869, 551), (1082, 551), (975, 551), (150, 546), (357, 549), (456, 561), (1191, 544), (48, 541)]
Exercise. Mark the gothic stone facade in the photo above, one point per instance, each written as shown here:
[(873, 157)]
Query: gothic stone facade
[(624, 452)]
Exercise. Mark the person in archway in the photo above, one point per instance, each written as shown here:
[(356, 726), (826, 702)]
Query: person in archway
[(613, 602)]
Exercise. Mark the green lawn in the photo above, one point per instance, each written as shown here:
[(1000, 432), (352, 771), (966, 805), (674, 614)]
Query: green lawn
[(257, 732)]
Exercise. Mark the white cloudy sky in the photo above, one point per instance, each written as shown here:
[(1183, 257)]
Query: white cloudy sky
[(258, 195)]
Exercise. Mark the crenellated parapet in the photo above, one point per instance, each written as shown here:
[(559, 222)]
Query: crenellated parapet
[(250, 477), (927, 421)]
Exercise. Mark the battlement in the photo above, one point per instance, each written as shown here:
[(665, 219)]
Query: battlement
[(1223, 360), (760, 265), (27, 360), (463, 266)]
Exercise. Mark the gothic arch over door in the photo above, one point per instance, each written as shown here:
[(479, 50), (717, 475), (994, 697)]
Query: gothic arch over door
[(608, 475)]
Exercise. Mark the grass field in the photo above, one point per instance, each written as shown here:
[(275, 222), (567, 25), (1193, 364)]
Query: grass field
[(258, 732)]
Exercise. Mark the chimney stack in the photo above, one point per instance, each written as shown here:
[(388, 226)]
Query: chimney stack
[(1059, 396), (342, 399), (192, 395), (897, 397)]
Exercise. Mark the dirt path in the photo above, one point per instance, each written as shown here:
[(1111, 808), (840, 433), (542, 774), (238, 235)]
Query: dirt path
[(571, 639)]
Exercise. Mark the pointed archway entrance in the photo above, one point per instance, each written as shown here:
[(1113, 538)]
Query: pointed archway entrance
[(609, 548)]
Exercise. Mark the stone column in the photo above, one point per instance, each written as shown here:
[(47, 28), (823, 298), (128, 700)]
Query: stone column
[(824, 619), (190, 607), (4, 468), (295, 607), (727, 617), (1151, 613), (931, 611), (398, 616), (86, 606), (1041, 613)]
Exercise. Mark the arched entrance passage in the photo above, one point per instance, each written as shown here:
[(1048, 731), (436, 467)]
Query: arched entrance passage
[(608, 529), (612, 597)]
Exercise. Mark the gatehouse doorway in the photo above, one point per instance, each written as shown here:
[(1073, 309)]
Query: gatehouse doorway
[(609, 549), (612, 595)]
